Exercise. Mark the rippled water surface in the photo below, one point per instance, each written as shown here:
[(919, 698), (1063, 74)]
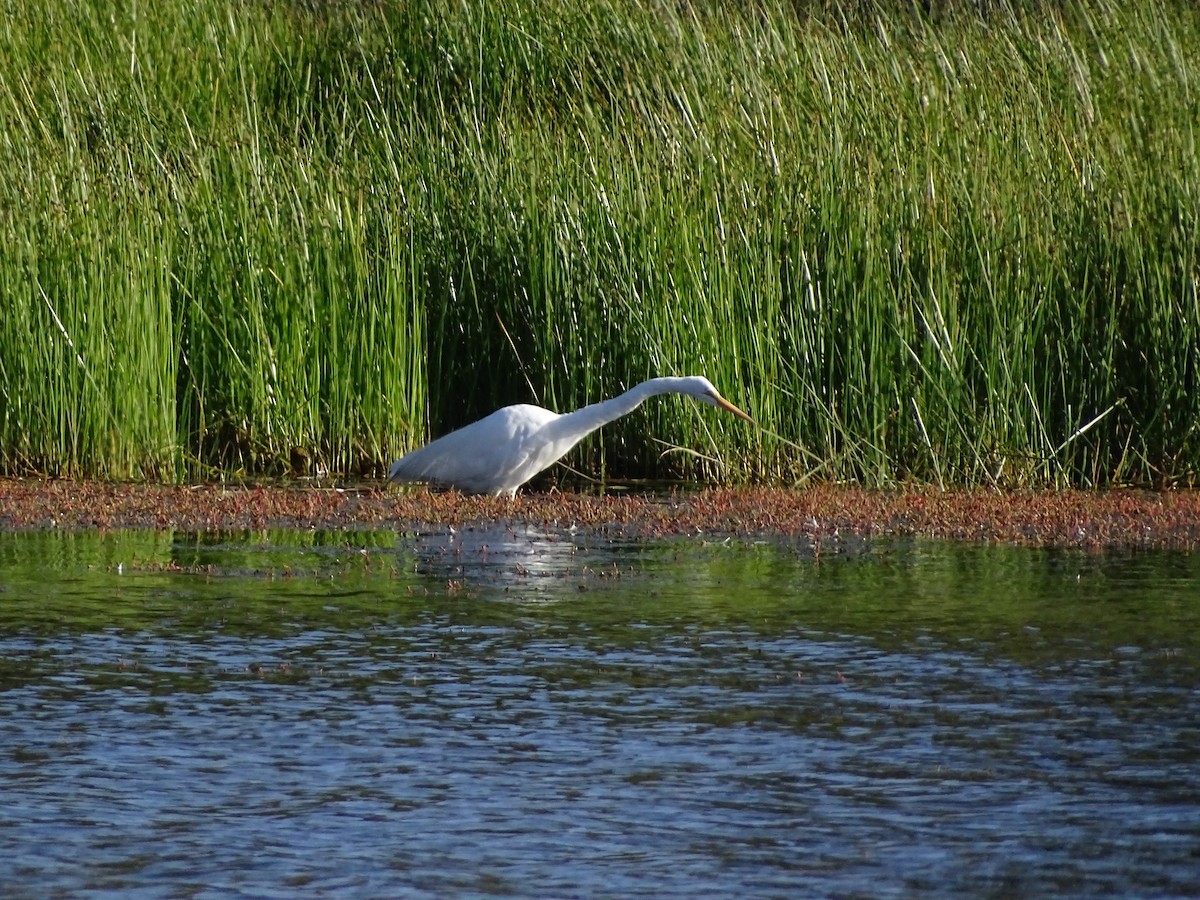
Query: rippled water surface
[(516, 712)]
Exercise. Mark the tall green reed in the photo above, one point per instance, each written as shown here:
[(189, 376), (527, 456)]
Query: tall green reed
[(955, 248), (193, 278)]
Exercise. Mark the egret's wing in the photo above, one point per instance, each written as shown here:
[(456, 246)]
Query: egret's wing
[(483, 457)]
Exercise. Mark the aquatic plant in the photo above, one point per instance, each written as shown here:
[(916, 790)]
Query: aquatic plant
[(956, 246)]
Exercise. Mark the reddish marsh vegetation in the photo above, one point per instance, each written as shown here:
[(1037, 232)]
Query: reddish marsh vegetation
[(1117, 518)]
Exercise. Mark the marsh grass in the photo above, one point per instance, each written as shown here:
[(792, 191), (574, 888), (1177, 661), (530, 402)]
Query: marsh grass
[(952, 248)]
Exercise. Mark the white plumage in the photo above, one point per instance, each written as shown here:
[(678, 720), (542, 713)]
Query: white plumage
[(500, 452)]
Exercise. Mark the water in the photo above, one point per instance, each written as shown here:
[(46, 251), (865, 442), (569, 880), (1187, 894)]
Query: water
[(515, 712)]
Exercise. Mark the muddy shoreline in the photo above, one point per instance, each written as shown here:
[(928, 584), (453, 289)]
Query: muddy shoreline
[(1089, 519)]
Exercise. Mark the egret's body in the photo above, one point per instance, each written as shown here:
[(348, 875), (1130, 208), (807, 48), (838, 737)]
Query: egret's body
[(500, 452)]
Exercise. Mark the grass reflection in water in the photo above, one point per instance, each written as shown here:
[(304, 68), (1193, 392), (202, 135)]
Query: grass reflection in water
[(548, 712)]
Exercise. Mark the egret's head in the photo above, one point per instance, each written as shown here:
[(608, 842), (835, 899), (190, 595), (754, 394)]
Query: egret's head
[(702, 389)]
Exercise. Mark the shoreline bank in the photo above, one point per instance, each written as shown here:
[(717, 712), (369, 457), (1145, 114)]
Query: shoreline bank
[(1111, 519)]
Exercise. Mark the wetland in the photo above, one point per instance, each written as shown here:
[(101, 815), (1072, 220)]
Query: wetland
[(516, 705)]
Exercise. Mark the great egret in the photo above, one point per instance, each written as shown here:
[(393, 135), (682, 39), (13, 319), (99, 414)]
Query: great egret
[(500, 452)]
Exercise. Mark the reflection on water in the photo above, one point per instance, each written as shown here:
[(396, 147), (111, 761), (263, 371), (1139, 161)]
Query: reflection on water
[(544, 713)]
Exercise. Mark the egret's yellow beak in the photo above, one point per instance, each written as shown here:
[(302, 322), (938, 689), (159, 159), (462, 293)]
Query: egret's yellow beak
[(729, 407)]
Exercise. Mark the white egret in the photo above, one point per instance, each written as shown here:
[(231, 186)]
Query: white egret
[(500, 452)]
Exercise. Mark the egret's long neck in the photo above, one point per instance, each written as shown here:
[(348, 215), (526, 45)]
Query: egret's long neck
[(583, 422)]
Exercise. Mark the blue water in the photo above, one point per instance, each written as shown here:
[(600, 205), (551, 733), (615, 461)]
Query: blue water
[(553, 714)]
